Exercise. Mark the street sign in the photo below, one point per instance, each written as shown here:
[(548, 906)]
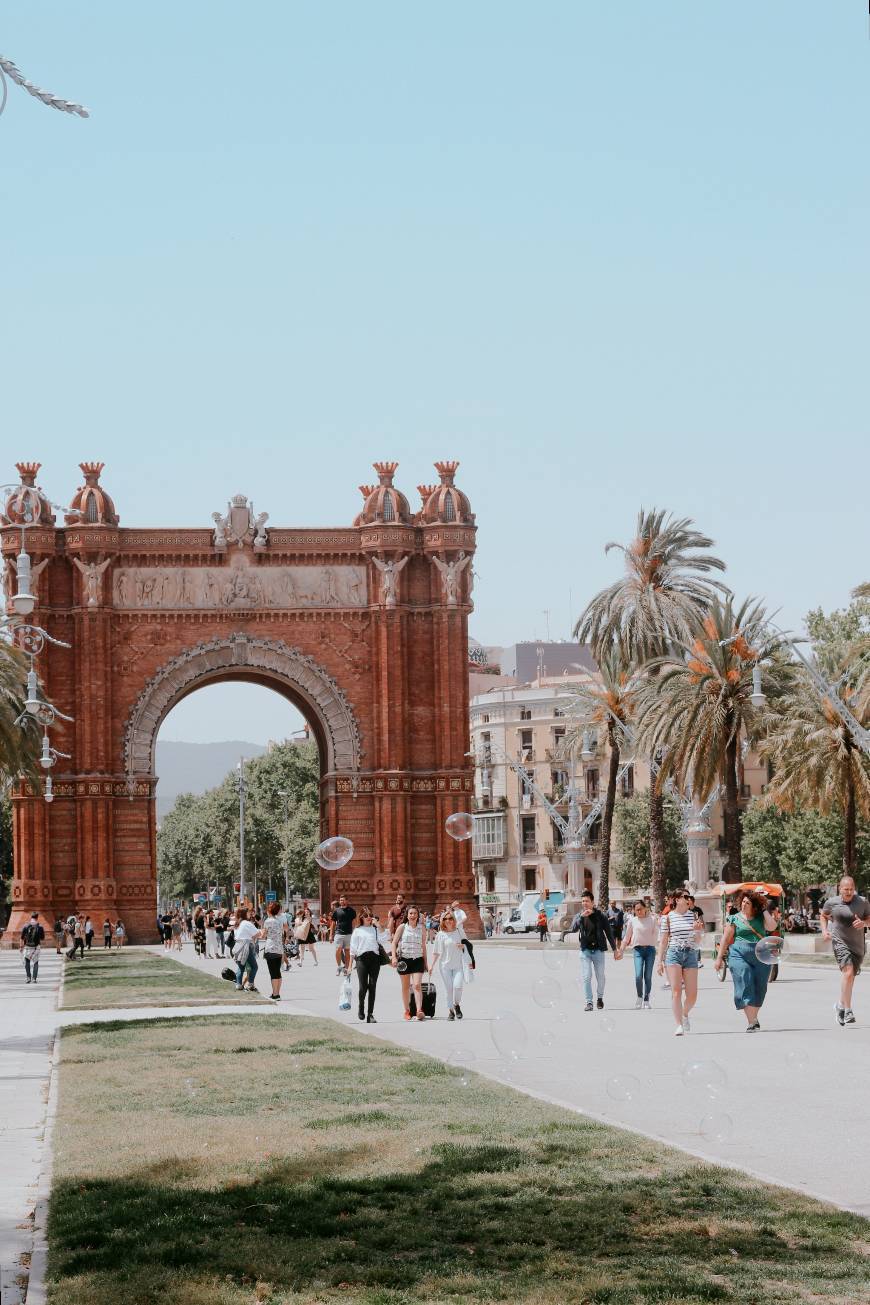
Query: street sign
[(271, 896), (237, 888)]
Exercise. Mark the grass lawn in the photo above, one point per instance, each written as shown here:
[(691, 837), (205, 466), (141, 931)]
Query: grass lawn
[(231, 1160), (136, 977)]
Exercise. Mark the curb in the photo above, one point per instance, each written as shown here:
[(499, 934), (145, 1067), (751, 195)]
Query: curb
[(36, 1292)]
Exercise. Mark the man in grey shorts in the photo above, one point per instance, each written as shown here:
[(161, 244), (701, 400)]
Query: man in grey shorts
[(343, 917), (844, 920)]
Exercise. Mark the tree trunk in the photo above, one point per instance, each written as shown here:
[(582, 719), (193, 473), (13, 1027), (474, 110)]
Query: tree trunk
[(850, 848), (657, 844), (607, 821), (731, 813)]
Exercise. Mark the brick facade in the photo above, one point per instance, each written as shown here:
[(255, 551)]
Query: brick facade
[(363, 628)]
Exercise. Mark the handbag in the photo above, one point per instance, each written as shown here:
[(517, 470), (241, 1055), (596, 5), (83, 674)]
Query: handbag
[(301, 932), (382, 955)]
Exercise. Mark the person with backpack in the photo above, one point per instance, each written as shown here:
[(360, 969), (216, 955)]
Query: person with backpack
[(32, 938), (59, 929)]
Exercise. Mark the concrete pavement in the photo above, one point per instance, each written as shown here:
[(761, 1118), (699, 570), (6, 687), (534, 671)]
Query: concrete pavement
[(763, 1102)]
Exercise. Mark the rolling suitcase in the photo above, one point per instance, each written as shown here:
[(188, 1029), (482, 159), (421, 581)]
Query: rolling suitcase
[(429, 997)]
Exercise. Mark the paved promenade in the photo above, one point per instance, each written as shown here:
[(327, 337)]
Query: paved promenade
[(787, 1090)]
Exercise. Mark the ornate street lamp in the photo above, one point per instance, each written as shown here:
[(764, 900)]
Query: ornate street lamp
[(8, 69)]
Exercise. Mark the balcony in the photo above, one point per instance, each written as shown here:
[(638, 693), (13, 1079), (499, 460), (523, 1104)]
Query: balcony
[(489, 841)]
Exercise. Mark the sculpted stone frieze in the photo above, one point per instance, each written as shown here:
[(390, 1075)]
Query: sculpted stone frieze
[(171, 588)]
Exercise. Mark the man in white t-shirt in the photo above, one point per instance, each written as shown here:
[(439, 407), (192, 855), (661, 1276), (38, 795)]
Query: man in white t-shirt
[(461, 917)]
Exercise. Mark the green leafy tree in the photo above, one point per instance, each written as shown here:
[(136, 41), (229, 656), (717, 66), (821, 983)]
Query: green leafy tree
[(631, 823), (800, 848), (198, 842), (20, 735), (657, 603)]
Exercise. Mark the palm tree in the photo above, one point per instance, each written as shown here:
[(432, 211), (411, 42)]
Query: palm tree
[(19, 744), (603, 706), (817, 762), (655, 605), (699, 709)]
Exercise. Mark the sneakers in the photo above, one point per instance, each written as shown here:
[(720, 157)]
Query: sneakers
[(848, 1015), (841, 1015), (753, 1028), (588, 1006), (647, 1005), (458, 1011), (678, 1031), (370, 1019), (687, 1028), (638, 1003), (600, 1003), (451, 1015), (274, 996)]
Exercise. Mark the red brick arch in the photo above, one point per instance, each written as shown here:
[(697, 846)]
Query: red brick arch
[(363, 627)]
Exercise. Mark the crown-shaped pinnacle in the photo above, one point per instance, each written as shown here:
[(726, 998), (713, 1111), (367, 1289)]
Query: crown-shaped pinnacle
[(386, 471), (446, 470), (366, 490), (28, 471), (91, 471), (425, 490)]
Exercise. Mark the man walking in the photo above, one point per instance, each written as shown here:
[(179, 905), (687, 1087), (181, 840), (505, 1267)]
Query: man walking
[(89, 932), (78, 933), (844, 920), (343, 917), (397, 915), (32, 938)]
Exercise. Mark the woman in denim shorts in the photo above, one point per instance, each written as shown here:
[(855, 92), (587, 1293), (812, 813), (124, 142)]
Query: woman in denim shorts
[(679, 941)]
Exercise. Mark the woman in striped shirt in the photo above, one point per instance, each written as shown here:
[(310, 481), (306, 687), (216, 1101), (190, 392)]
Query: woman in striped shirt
[(679, 940)]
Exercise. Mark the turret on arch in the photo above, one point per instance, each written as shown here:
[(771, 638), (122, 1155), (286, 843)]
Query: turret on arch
[(364, 627)]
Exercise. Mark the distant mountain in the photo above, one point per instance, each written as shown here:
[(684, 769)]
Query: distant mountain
[(195, 767)]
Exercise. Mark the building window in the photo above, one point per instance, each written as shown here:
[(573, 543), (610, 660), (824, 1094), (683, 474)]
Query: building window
[(558, 734), (557, 711), (485, 718), (627, 783), (527, 835), (489, 881), (595, 831), (449, 507), (389, 514), (530, 878), (592, 785), (525, 739), (525, 713), (558, 838)]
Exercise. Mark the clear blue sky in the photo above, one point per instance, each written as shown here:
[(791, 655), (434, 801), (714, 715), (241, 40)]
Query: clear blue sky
[(603, 253)]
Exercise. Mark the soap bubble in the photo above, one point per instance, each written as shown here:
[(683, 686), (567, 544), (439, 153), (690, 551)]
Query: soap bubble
[(333, 853), (562, 1017), (554, 957), (545, 993), (717, 1128), (623, 1087), (508, 1034), (460, 1061), (606, 1024), (460, 826), (547, 1039), (797, 1059), (706, 1075), (769, 950)]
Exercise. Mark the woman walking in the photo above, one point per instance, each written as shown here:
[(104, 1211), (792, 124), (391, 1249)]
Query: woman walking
[(409, 958), (198, 932), (107, 935), (596, 933), (245, 950), (541, 926), (365, 951), (275, 932), (305, 935), (176, 928), (210, 937), (220, 924), (745, 928), (448, 952), (679, 943), (120, 934), (641, 933)]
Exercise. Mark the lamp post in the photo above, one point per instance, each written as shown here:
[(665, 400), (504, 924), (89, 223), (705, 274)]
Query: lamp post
[(27, 502), (240, 781), (285, 793)]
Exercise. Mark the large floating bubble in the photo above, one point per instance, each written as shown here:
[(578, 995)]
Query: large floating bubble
[(508, 1034), (460, 826), (547, 1038), (769, 950), (606, 1025), (333, 853), (554, 956), (797, 1059), (545, 993), (623, 1087), (717, 1128), (705, 1076)]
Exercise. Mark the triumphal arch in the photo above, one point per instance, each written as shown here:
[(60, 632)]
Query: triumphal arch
[(363, 627)]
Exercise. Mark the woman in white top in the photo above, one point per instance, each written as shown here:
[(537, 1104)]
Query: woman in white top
[(274, 931), (447, 950), (365, 951), (246, 934), (409, 958), (210, 937), (303, 932), (641, 933), (680, 937)]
